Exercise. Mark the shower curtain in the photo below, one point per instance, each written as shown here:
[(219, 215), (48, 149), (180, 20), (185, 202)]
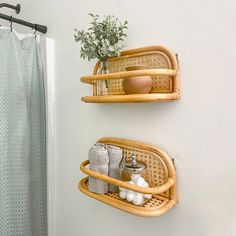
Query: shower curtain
[(23, 174)]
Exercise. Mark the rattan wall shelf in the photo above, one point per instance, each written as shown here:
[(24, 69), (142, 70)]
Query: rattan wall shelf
[(164, 70), (160, 174)]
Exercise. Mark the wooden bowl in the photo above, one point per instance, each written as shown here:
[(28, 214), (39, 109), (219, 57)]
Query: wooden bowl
[(137, 84)]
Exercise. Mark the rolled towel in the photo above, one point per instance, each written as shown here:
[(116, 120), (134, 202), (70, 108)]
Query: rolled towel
[(115, 155), (98, 161)]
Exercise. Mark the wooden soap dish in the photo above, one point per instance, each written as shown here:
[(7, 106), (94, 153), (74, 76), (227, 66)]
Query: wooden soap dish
[(160, 174)]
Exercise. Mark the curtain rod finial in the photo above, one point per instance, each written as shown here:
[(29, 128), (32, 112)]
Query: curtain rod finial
[(18, 8)]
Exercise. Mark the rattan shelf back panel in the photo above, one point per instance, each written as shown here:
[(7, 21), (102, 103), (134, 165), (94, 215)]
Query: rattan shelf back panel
[(153, 59), (160, 172)]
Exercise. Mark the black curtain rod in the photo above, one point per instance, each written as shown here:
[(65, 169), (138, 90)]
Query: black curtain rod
[(37, 27), (17, 7)]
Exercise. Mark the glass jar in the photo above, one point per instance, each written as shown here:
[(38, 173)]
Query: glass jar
[(102, 85), (131, 172), (127, 168)]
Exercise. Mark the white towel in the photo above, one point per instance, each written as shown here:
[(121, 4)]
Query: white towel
[(115, 156), (98, 161)]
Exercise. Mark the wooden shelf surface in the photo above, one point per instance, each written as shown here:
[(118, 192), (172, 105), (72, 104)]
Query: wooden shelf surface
[(156, 206), (132, 98)]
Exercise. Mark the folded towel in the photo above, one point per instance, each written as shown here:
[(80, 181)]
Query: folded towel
[(115, 156), (98, 161)]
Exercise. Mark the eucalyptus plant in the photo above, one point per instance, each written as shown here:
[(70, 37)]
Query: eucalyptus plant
[(103, 39)]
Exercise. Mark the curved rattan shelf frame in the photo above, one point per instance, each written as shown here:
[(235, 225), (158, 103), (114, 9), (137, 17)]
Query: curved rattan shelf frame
[(158, 210), (124, 74), (163, 202), (161, 189), (172, 72)]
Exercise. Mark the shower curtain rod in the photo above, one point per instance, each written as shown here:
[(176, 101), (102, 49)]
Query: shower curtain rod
[(37, 27)]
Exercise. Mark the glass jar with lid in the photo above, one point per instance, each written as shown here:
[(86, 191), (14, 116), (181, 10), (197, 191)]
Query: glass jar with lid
[(131, 172), (127, 168)]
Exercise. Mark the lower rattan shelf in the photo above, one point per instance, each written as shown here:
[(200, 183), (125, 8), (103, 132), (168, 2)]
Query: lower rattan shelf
[(156, 206), (160, 174)]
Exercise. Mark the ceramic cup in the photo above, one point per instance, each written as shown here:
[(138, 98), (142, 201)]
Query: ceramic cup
[(137, 84)]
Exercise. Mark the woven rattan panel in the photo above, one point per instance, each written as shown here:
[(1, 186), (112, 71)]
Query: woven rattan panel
[(154, 202), (155, 60), (156, 173)]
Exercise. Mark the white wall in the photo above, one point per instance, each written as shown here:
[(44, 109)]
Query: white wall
[(199, 131)]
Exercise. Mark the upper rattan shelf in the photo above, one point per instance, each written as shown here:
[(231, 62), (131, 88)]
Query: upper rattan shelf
[(163, 69), (160, 174)]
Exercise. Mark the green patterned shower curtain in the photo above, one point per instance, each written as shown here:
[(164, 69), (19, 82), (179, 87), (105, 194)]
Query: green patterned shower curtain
[(23, 175)]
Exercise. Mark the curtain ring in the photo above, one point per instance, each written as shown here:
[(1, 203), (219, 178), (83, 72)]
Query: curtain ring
[(36, 30), (10, 20), (35, 35)]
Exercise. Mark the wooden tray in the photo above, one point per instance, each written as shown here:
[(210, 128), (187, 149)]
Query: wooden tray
[(160, 174), (163, 69)]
